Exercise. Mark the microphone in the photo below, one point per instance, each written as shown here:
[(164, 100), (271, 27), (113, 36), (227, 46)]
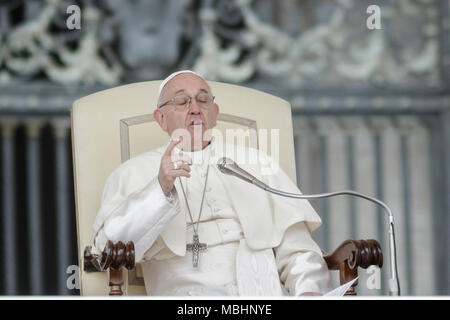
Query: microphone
[(229, 167)]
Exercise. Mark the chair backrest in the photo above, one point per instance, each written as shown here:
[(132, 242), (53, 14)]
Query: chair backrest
[(110, 126)]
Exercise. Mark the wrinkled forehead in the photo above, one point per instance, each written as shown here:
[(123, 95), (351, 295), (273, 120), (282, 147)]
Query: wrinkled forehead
[(181, 81)]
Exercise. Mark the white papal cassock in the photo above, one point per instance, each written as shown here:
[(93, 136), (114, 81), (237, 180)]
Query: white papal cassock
[(258, 243)]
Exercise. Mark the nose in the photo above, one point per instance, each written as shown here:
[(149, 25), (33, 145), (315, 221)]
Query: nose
[(194, 108)]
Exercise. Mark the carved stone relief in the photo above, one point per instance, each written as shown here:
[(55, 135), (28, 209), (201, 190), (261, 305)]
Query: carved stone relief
[(297, 42)]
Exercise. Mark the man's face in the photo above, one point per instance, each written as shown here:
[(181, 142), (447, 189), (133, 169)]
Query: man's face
[(194, 120)]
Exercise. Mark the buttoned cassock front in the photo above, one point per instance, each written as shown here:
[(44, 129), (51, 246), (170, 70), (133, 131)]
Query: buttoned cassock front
[(134, 208)]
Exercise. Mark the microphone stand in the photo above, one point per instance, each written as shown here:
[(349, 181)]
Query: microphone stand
[(394, 284)]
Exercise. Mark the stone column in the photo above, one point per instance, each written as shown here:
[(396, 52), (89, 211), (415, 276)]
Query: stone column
[(385, 151), (61, 131), (350, 126), (302, 137), (9, 210), (417, 204), (446, 187), (339, 213), (35, 230), (322, 126)]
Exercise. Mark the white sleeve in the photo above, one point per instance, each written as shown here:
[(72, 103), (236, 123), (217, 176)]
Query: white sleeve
[(140, 218), (300, 262)]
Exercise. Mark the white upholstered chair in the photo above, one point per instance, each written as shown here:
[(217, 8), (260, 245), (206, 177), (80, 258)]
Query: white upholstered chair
[(110, 126), (113, 125)]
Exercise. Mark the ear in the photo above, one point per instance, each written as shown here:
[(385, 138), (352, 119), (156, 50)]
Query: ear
[(216, 113), (159, 117)]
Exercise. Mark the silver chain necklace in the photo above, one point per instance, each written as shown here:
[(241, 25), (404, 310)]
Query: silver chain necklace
[(196, 246)]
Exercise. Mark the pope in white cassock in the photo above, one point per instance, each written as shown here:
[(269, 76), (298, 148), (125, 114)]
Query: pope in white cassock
[(199, 232)]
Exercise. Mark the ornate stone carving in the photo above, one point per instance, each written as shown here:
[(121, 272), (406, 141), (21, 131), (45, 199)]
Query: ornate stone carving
[(337, 45), (298, 42), (149, 35), (41, 44)]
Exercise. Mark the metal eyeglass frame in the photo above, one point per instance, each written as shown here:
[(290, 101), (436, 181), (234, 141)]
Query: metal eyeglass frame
[(188, 103)]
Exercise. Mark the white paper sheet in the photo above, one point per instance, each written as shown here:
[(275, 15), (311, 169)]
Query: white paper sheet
[(341, 290)]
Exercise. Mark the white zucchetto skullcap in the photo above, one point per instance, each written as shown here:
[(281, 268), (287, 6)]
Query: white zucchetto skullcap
[(173, 75)]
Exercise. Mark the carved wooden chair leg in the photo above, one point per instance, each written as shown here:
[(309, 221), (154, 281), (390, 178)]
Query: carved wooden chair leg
[(352, 254), (347, 274), (115, 282), (114, 258)]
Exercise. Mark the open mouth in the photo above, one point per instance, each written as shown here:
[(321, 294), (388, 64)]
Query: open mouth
[(196, 123)]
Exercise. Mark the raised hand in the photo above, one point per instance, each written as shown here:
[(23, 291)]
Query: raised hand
[(173, 166)]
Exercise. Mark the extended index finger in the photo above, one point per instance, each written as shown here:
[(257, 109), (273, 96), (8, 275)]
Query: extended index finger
[(172, 145)]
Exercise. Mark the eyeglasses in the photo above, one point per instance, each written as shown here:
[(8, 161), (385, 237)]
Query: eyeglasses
[(182, 102)]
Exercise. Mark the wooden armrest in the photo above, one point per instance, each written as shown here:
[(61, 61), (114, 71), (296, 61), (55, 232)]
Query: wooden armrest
[(114, 257), (352, 254)]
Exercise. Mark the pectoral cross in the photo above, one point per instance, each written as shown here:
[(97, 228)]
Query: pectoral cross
[(195, 247)]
